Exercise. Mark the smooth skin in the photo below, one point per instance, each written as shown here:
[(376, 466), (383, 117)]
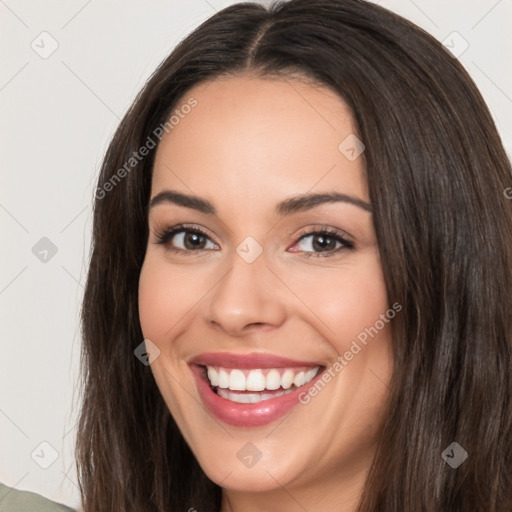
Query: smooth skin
[(249, 144)]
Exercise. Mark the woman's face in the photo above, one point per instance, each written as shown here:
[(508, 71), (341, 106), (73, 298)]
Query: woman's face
[(280, 289)]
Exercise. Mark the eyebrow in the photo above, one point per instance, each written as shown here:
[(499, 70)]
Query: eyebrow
[(286, 207)]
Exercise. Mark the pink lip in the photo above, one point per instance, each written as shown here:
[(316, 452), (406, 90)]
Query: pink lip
[(253, 361), (247, 415)]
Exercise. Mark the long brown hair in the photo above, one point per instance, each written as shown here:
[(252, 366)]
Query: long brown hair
[(437, 175)]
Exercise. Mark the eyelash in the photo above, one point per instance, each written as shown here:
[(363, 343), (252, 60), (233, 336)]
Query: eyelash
[(166, 235)]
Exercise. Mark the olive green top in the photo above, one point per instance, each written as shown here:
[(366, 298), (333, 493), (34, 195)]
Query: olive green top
[(12, 500)]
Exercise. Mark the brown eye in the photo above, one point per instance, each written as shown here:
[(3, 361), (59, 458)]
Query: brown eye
[(322, 243), (182, 239), (192, 240)]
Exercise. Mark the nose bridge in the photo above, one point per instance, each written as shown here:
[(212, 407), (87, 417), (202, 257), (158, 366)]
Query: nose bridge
[(244, 295)]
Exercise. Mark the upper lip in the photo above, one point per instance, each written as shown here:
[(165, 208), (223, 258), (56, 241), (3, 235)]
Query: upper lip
[(252, 361)]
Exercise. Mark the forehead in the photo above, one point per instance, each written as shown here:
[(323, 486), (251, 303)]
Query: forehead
[(278, 136)]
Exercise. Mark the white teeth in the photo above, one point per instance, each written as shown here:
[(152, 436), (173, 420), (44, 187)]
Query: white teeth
[(237, 380), (223, 378), (213, 376), (310, 374), (287, 378), (258, 380), (255, 381), (273, 380), (299, 379), (249, 398)]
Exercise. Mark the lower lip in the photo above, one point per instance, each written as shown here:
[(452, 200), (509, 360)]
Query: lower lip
[(246, 415)]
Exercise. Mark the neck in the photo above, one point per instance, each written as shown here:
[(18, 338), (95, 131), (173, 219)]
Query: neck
[(339, 494)]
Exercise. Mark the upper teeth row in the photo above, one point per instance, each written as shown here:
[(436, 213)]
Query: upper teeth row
[(258, 380)]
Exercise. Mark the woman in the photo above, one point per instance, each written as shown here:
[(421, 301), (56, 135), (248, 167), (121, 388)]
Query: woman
[(299, 291)]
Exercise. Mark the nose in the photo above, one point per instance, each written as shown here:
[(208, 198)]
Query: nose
[(245, 299)]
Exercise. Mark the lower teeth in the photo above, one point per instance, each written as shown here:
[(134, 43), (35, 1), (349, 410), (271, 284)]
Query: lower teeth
[(251, 398)]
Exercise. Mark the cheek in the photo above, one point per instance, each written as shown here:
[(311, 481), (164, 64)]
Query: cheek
[(346, 300), (165, 296)]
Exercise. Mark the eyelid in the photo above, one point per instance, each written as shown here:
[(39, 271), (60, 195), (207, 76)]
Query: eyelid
[(323, 228), (341, 236), (165, 235)]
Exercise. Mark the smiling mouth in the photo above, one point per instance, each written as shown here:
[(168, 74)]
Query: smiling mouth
[(250, 386)]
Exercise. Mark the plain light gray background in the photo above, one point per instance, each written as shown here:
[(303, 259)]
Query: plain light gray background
[(58, 114)]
